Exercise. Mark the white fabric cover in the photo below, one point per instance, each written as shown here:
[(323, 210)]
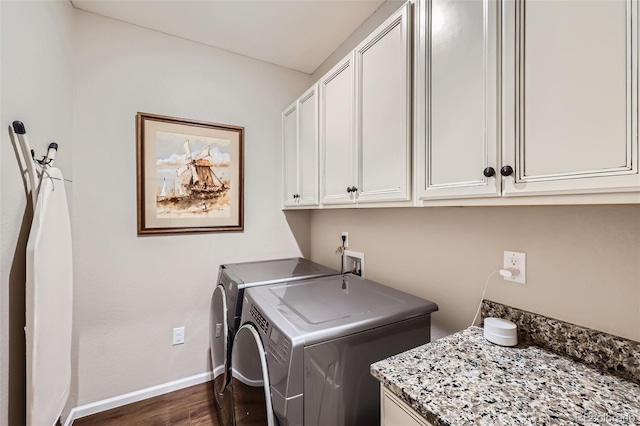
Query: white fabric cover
[(49, 303)]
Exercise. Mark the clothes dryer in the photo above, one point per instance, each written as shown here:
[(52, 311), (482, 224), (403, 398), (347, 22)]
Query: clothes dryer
[(303, 353), (226, 308)]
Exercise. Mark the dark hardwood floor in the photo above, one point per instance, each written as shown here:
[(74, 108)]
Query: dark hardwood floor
[(193, 406)]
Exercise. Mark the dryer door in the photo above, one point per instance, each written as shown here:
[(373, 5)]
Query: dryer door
[(250, 379), (218, 339)]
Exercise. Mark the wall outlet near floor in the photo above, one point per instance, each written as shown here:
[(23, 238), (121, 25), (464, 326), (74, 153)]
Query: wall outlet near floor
[(178, 336), (515, 260)]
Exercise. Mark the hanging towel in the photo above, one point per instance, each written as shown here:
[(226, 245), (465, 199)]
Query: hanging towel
[(49, 303)]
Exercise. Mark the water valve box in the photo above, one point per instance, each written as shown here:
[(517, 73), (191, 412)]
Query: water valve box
[(354, 263)]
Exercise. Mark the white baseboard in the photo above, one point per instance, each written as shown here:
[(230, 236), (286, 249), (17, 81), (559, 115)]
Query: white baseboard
[(128, 398)]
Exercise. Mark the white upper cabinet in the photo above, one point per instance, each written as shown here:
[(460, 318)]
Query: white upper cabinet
[(337, 134), (383, 111), (308, 148), (570, 97), (290, 154), (365, 119), (515, 102), (457, 86), (300, 151)]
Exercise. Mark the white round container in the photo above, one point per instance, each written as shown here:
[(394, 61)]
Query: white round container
[(500, 331)]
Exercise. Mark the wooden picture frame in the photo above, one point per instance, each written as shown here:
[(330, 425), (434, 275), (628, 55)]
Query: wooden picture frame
[(190, 176)]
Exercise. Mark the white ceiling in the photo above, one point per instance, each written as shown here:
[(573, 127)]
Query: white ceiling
[(296, 34)]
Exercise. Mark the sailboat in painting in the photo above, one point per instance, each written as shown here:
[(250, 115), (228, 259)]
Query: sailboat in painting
[(163, 192)]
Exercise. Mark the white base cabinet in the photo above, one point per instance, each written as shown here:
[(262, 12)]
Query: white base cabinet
[(395, 412)]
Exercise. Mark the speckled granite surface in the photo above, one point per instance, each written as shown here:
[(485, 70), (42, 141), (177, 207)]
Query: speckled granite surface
[(463, 379), (604, 351)]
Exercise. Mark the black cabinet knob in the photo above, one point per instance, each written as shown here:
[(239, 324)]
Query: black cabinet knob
[(354, 189), (348, 189), (506, 171), (489, 171)]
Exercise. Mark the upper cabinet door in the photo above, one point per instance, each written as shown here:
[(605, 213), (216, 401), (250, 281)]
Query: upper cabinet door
[(383, 105), (308, 148), (337, 147), (290, 154), (457, 131), (570, 96)]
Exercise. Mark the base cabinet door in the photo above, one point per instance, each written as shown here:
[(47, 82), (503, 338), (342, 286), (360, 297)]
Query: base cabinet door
[(396, 412), (570, 97), (457, 114)]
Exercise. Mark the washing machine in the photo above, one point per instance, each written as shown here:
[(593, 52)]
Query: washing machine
[(226, 308), (303, 353)]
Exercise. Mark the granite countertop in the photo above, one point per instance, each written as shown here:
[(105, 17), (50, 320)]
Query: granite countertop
[(462, 379)]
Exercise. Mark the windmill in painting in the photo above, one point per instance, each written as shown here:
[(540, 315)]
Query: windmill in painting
[(203, 182), (195, 183)]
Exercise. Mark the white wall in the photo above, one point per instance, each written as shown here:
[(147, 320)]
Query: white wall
[(35, 82), (583, 262), (131, 291)]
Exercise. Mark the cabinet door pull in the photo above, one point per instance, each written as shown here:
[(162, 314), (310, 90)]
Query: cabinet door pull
[(489, 172), (348, 189), (354, 189), (506, 171)]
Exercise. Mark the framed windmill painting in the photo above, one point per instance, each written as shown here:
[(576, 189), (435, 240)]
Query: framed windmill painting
[(190, 176)]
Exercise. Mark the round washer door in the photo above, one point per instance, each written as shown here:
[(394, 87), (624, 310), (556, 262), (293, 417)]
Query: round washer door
[(250, 380), (218, 339)]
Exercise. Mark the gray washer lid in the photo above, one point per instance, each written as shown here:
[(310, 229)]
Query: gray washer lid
[(328, 307), (277, 270)]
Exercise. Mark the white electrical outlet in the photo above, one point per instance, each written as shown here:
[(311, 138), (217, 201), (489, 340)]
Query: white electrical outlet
[(346, 239), (515, 260), (178, 335)]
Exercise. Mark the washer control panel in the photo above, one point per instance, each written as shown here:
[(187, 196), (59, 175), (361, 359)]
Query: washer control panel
[(279, 346), (260, 319)]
